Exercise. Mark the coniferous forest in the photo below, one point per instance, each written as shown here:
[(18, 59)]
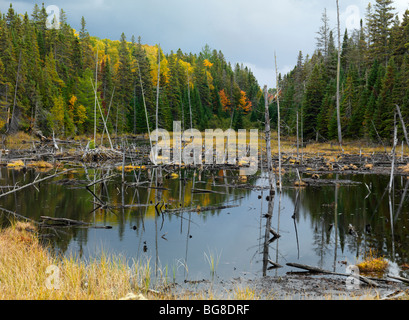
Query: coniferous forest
[(48, 76), (47, 81)]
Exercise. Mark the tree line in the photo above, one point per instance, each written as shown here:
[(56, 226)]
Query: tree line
[(374, 78), (65, 81)]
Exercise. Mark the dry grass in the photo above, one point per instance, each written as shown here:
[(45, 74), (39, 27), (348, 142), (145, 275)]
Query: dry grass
[(19, 140), (130, 168), (40, 164), (16, 164), (25, 275), (405, 169), (373, 264), (24, 264)]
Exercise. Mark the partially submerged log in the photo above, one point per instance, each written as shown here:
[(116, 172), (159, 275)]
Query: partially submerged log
[(404, 280), (65, 221), (33, 183), (319, 270), (200, 209)]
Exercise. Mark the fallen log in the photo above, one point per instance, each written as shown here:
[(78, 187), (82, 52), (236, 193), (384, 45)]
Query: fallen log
[(274, 265), (404, 280), (200, 209), (319, 270), (206, 191), (33, 183), (65, 221)]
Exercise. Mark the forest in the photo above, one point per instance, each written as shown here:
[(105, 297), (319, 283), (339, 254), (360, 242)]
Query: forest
[(48, 78), (374, 78)]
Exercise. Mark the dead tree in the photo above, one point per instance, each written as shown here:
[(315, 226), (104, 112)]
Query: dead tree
[(338, 80), (278, 126), (271, 177)]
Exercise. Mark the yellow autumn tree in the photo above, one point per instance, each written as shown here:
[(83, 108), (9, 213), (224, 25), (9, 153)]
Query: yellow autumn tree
[(207, 63), (76, 112), (57, 115), (244, 103)]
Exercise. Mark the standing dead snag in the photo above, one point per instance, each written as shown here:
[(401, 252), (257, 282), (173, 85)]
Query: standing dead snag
[(279, 126), (271, 177), (338, 80), (272, 187), (403, 125), (395, 142)]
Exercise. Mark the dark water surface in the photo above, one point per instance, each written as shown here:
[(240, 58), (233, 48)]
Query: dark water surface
[(226, 243)]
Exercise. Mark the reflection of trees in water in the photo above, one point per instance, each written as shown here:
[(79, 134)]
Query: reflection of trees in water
[(67, 197), (362, 209)]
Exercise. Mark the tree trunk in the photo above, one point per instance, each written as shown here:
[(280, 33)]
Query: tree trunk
[(278, 126), (338, 80), (271, 177)]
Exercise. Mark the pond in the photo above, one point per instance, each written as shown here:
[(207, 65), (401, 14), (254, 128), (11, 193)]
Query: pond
[(197, 224)]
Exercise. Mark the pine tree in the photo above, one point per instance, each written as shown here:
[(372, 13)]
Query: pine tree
[(385, 106), (313, 101), (379, 30), (124, 89)]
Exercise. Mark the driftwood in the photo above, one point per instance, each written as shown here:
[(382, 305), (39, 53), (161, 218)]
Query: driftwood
[(274, 265), (319, 270), (65, 221), (199, 209), (404, 280), (206, 191), (18, 215)]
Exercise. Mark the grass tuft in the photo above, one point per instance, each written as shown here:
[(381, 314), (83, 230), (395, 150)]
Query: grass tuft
[(373, 264)]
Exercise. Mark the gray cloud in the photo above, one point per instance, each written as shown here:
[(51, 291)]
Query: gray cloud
[(247, 32)]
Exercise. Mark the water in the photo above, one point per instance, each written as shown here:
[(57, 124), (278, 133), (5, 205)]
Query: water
[(223, 243)]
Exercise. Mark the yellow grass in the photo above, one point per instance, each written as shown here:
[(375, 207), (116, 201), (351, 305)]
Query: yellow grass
[(405, 169), (15, 164), (29, 272), (373, 264), (19, 140), (129, 168), (24, 264), (40, 164)]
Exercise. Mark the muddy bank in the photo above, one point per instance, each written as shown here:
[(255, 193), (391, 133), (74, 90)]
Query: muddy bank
[(293, 286)]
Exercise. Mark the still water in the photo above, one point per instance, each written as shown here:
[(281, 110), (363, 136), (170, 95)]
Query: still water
[(228, 241)]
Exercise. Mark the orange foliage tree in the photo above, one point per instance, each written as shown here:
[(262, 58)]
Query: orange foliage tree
[(226, 104), (244, 103)]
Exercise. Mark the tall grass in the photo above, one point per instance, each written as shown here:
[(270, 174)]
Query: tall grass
[(25, 265), (213, 261)]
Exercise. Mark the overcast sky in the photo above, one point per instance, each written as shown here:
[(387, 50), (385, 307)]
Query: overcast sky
[(246, 31)]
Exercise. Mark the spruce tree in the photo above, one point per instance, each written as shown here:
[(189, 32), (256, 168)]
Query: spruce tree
[(312, 103)]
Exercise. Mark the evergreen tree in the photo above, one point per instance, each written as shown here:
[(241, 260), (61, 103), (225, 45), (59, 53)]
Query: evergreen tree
[(312, 103), (379, 30)]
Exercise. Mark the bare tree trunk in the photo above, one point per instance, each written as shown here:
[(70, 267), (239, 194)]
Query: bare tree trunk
[(271, 177), (403, 125), (144, 105), (278, 126), (157, 95), (96, 97), (298, 143), (395, 142), (338, 80)]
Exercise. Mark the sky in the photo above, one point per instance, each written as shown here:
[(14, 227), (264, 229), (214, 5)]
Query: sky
[(248, 32)]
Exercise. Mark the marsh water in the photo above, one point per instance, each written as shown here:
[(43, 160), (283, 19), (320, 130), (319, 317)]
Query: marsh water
[(194, 225)]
